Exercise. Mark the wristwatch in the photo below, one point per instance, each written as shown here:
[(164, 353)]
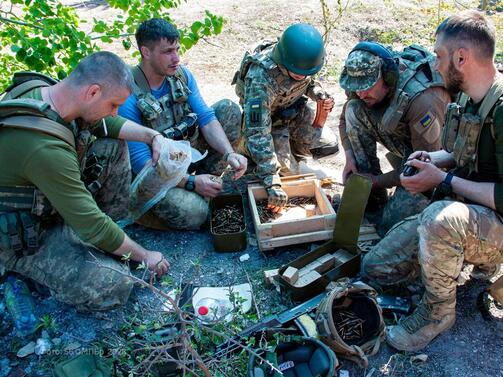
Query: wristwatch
[(190, 184), (444, 189)]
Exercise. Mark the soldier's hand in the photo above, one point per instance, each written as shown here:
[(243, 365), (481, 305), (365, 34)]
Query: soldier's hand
[(238, 162), (349, 167), (156, 144), (427, 177), (156, 262), (208, 185), (276, 198), (328, 104), (420, 155)]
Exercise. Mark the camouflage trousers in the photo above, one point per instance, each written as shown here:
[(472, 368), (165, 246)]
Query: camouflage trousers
[(75, 272), (362, 127), (181, 209), (435, 244)]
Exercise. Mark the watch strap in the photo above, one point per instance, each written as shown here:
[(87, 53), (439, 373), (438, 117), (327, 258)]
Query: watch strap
[(448, 179), (190, 184)]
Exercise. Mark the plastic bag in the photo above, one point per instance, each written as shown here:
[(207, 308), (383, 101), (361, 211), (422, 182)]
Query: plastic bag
[(153, 182)]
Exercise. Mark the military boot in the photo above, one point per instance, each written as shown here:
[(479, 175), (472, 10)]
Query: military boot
[(485, 271), (417, 330)]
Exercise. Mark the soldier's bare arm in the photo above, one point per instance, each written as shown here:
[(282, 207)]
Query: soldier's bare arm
[(441, 158), (215, 136), (430, 176), (154, 260), (132, 131)]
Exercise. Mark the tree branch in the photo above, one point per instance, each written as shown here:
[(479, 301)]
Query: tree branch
[(10, 21)]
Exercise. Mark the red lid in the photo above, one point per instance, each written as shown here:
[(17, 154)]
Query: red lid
[(203, 310)]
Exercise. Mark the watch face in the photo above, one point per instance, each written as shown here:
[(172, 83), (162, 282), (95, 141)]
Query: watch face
[(190, 184)]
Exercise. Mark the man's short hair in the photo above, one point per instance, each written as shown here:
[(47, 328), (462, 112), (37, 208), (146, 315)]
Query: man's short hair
[(103, 68), (153, 30), (472, 29)]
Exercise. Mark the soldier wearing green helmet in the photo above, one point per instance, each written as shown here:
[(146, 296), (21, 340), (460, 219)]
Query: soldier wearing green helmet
[(398, 100), (274, 83)]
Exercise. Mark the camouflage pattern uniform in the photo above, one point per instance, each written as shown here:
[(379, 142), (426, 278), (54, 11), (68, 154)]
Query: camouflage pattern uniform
[(276, 129), (75, 272), (447, 233), (417, 126)]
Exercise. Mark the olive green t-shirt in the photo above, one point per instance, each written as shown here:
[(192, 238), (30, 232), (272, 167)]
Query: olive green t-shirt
[(490, 153), (30, 158)]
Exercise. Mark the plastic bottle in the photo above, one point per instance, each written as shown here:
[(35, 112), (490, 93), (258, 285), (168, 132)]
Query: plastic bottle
[(209, 310), (19, 303)]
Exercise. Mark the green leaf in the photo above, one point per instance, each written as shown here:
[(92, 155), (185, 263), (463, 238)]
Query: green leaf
[(126, 43), (196, 26)]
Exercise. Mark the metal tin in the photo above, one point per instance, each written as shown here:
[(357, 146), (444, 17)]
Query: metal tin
[(343, 244), (229, 242)]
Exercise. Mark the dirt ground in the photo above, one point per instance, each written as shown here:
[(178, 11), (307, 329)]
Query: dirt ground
[(472, 348)]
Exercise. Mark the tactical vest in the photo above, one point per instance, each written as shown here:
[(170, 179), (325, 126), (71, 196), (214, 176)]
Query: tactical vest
[(170, 114), (417, 73), (22, 207), (289, 90), (462, 131)]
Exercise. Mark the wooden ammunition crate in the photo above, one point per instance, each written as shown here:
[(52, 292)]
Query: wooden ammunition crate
[(317, 227)]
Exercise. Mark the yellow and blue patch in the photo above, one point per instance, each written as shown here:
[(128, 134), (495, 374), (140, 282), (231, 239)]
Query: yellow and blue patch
[(426, 120)]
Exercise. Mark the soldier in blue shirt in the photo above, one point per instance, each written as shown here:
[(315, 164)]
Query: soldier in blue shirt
[(167, 99)]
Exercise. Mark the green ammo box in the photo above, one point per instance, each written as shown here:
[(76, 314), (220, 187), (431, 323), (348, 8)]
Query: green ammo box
[(340, 257), (233, 241)]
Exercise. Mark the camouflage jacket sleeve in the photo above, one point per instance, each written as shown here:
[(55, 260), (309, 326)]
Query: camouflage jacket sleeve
[(346, 144), (314, 90), (425, 118), (258, 97)]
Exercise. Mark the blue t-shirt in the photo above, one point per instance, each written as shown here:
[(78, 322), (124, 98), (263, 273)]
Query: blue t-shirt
[(140, 153)]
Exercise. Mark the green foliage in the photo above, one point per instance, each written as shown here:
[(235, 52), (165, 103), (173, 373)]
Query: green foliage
[(48, 323), (47, 36)]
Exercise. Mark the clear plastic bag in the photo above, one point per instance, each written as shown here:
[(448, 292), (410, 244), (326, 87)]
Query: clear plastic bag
[(153, 182)]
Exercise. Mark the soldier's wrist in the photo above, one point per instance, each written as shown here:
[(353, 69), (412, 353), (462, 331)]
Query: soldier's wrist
[(227, 154), (154, 136)]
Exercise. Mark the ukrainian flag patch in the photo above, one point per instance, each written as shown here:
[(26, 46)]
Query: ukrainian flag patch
[(427, 120)]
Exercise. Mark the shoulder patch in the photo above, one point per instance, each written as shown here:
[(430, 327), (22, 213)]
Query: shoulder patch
[(427, 119)]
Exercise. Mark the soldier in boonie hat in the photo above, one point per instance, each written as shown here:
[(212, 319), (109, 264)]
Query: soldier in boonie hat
[(361, 71)]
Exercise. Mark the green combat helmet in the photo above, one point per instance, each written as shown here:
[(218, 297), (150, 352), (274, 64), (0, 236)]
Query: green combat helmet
[(361, 71), (300, 50)]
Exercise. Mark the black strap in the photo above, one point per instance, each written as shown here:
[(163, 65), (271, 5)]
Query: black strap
[(14, 232), (30, 231)]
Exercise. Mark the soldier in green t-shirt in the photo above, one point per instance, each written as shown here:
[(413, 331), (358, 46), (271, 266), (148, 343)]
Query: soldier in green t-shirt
[(465, 222), (51, 123)]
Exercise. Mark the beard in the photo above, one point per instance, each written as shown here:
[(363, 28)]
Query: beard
[(454, 80)]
